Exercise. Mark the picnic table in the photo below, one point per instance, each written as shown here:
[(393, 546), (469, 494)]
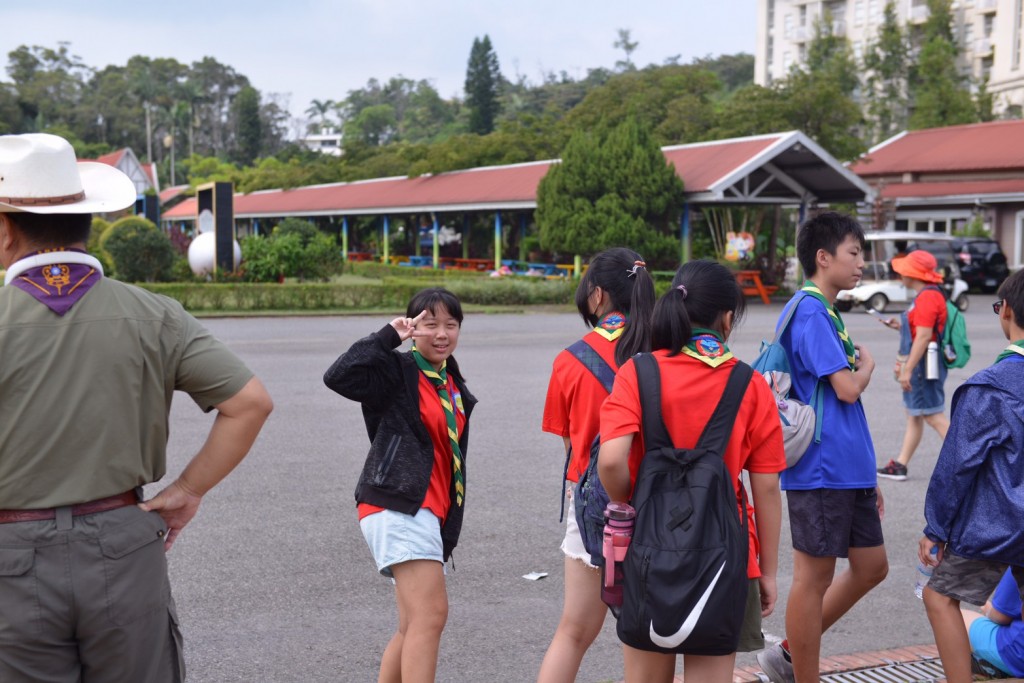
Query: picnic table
[(477, 264), (418, 262), (751, 285)]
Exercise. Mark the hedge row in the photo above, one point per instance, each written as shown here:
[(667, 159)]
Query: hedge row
[(391, 293)]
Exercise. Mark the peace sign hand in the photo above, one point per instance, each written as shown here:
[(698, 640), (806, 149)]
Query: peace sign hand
[(406, 327)]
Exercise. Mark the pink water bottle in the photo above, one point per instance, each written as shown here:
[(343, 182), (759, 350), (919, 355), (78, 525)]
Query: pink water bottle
[(618, 530)]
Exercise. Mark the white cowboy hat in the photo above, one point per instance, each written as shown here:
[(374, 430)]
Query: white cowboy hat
[(39, 174)]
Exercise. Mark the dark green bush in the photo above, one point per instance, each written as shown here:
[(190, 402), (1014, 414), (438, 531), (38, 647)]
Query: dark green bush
[(390, 294), (141, 252)]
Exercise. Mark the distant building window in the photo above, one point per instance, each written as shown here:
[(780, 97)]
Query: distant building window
[(787, 25), (874, 11), (858, 13), (787, 60)]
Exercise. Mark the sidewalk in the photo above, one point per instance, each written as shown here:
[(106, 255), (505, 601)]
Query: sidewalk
[(913, 664)]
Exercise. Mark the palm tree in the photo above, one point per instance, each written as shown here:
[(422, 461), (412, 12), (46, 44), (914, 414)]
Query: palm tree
[(320, 109)]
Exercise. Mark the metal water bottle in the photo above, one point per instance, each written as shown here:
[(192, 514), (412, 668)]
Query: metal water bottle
[(618, 530), (931, 367)]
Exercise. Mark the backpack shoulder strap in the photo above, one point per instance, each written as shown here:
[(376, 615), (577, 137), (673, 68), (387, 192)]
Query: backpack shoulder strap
[(719, 428), (648, 377), (800, 296), (592, 361)]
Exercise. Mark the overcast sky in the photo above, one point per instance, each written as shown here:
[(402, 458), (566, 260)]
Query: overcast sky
[(321, 49)]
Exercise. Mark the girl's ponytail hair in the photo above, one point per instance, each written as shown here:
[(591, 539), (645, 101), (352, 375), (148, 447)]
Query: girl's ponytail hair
[(622, 274), (701, 293)]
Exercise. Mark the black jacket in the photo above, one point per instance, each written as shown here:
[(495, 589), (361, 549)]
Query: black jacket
[(397, 469)]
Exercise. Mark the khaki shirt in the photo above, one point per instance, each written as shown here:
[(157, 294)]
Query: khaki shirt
[(85, 398)]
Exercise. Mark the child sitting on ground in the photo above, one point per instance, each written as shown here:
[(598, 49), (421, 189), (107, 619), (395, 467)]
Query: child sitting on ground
[(975, 499)]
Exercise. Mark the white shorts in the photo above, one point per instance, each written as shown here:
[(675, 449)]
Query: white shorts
[(572, 544), (395, 537)]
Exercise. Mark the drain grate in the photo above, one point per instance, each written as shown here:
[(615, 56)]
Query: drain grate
[(922, 671)]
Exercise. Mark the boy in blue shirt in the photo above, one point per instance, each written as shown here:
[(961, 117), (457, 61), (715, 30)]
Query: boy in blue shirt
[(835, 508), (975, 500), (997, 634)]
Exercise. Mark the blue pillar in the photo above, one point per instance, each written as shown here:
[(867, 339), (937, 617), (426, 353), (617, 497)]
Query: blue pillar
[(344, 237), (387, 241), (437, 243), (497, 240), (684, 232)]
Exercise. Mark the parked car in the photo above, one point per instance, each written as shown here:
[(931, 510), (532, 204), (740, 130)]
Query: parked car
[(881, 288), (982, 263)]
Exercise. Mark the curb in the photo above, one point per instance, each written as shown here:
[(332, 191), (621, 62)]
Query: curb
[(854, 662)]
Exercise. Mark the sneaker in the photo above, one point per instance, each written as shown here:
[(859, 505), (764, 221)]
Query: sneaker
[(985, 668), (774, 664), (894, 471)]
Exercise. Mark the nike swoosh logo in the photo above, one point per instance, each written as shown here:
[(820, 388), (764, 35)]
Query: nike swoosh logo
[(676, 639)]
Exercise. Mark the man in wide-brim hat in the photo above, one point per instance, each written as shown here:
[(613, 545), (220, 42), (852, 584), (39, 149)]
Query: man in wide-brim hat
[(89, 368), (924, 398)]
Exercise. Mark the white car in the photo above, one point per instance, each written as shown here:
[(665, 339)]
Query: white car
[(882, 289)]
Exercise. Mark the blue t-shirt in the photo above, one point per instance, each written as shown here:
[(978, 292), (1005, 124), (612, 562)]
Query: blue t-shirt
[(845, 458), (1010, 638)]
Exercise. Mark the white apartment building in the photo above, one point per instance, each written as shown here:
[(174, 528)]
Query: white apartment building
[(989, 33)]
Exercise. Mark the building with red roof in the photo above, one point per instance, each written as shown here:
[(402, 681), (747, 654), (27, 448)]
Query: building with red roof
[(781, 168), (143, 175), (940, 179)]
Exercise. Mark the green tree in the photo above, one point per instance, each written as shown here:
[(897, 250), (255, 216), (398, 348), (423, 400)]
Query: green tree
[(940, 94), (734, 71), (141, 252), (628, 47), (250, 128), (612, 188), (674, 102), (483, 82), (887, 66)]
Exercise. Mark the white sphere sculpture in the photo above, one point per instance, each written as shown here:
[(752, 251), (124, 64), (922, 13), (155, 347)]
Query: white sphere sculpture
[(202, 253)]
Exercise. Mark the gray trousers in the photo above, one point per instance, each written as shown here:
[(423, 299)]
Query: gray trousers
[(87, 600)]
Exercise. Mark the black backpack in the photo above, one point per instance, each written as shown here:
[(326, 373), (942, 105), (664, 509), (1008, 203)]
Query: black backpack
[(685, 585), (589, 495)]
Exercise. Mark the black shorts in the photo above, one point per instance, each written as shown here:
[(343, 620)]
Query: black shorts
[(828, 522)]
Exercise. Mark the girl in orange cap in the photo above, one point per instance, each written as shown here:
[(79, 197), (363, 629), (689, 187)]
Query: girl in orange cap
[(922, 323)]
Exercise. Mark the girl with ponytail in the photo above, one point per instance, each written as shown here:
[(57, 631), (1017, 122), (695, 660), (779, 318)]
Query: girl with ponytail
[(615, 297), (690, 330)]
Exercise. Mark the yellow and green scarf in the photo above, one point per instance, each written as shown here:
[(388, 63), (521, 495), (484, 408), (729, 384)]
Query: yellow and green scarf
[(611, 326), (440, 382), (1016, 348), (837, 321), (708, 347)]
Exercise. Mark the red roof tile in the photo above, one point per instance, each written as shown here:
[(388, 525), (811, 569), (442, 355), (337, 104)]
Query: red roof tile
[(953, 189), (974, 147), (113, 158), (170, 193), (701, 165)]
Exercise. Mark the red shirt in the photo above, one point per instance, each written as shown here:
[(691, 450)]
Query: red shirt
[(437, 499), (573, 404), (929, 310), (690, 391)]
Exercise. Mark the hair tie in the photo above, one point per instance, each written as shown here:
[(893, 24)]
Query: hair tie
[(682, 289), (636, 266)]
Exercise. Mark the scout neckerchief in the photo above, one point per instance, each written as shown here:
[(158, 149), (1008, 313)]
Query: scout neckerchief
[(57, 278), (611, 326), (708, 347), (837, 321), (440, 382), (1016, 347)]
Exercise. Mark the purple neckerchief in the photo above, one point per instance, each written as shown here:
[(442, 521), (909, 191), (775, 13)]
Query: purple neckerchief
[(57, 285)]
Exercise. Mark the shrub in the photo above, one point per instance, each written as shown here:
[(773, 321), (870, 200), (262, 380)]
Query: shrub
[(99, 227), (141, 252)]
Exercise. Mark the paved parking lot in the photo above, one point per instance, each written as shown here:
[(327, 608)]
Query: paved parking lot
[(274, 583)]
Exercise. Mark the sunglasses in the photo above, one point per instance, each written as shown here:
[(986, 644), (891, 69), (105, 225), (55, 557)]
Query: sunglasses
[(997, 306)]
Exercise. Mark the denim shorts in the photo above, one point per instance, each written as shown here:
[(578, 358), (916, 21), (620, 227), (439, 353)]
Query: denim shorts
[(926, 396), (828, 522), (395, 537), (572, 543), (983, 643)]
